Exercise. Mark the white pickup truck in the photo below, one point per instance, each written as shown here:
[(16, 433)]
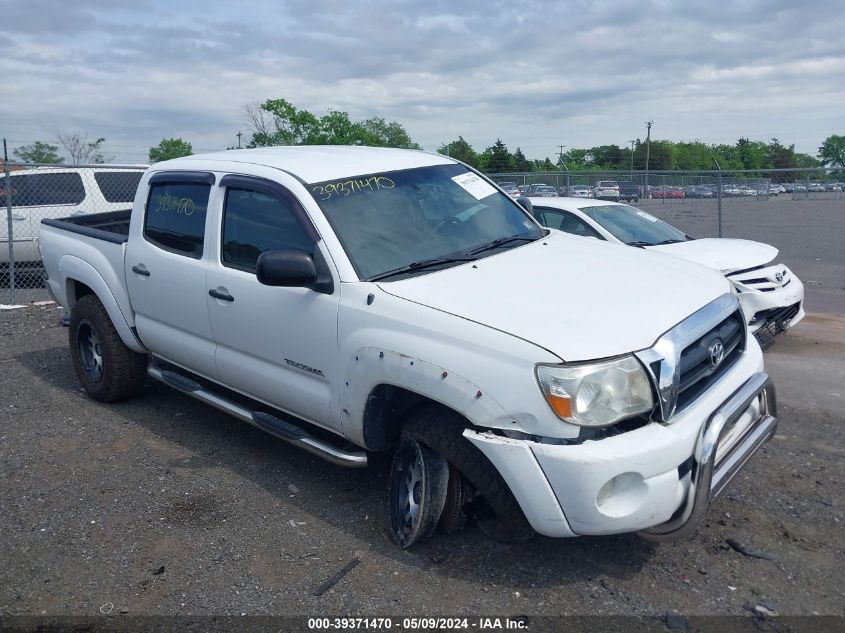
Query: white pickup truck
[(353, 300)]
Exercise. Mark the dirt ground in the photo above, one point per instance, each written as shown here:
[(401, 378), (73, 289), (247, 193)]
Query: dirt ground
[(162, 505)]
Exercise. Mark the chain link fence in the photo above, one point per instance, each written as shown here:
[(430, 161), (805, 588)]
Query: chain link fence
[(799, 211), (30, 193)]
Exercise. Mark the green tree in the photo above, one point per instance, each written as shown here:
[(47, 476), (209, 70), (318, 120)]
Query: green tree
[(279, 122), (38, 152), (832, 151), (498, 158), (694, 155), (520, 162), (610, 156), (380, 133), (462, 151), (336, 128), (170, 148)]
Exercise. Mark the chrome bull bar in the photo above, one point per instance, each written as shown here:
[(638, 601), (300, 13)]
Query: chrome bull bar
[(709, 477)]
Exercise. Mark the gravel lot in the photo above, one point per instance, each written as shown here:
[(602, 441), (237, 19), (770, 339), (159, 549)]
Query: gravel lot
[(164, 506)]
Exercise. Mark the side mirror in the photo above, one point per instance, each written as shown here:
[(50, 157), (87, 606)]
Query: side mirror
[(525, 203), (290, 268)]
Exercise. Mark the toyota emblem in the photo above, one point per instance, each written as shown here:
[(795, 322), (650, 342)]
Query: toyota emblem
[(717, 352), (779, 277)]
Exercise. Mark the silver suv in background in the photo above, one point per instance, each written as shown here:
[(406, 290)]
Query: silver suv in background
[(606, 190), (61, 191)]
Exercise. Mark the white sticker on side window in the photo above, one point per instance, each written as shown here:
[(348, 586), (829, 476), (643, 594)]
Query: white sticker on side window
[(647, 216), (476, 186)]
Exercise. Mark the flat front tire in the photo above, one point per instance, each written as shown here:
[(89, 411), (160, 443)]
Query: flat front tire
[(418, 486), (107, 369)]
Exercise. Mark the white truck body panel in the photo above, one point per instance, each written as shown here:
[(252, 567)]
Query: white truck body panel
[(519, 292)]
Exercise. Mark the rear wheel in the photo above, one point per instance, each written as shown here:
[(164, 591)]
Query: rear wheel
[(107, 369)]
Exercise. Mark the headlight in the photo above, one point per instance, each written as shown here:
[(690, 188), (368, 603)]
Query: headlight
[(596, 394)]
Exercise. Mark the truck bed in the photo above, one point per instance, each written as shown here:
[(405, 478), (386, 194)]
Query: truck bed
[(88, 250), (112, 226)]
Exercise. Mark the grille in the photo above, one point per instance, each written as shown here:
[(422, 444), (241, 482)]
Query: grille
[(696, 369), (763, 284)]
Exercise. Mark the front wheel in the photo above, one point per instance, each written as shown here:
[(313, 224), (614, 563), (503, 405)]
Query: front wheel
[(419, 480), (107, 369)]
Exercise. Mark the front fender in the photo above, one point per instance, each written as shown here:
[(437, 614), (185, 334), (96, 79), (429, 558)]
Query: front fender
[(373, 366), (75, 269)]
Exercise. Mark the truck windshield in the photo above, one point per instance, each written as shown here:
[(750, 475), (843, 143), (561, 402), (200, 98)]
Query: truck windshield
[(634, 226), (400, 222)]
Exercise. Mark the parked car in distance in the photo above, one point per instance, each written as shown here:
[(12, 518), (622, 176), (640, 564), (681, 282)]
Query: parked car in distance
[(701, 191), (351, 298), (816, 187), (534, 187), (545, 191), (580, 191), (771, 295), (629, 191), (747, 190), (731, 191), (666, 192), (510, 188), (57, 192), (606, 190)]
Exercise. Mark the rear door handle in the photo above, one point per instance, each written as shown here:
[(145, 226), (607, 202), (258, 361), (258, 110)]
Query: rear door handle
[(220, 295), (140, 271)]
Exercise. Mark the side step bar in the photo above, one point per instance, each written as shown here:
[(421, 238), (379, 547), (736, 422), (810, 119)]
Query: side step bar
[(267, 422)]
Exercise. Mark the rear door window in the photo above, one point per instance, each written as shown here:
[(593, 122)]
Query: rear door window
[(39, 190), (566, 222), (175, 218), (118, 186)]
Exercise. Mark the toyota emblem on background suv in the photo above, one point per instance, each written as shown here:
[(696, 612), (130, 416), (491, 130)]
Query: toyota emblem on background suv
[(717, 352), (779, 277)]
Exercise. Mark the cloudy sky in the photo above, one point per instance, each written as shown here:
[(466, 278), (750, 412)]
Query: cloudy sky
[(536, 74)]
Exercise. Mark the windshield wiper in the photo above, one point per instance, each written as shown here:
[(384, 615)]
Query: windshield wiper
[(420, 265), (501, 242), (639, 243), (672, 241)]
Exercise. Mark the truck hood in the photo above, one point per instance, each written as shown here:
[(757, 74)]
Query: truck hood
[(580, 299), (723, 254)]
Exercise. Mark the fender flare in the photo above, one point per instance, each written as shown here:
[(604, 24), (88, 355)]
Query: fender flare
[(75, 269), (373, 366)]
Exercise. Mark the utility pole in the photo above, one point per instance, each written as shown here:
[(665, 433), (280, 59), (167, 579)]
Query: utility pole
[(560, 153), (239, 138), (10, 232), (648, 125), (562, 163), (632, 158)]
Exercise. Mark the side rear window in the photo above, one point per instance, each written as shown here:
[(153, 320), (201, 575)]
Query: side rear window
[(175, 218), (34, 190), (566, 222), (254, 222), (118, 186)]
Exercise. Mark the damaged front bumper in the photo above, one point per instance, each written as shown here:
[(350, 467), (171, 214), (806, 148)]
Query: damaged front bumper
[(658, 479)]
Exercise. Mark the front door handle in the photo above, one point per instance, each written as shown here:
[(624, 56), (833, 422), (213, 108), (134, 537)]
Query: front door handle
[(220, 295), (141, 271)]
